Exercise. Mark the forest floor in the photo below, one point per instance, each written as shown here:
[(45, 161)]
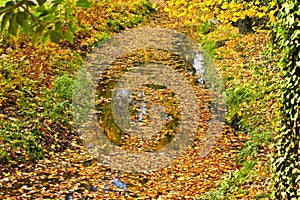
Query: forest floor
[(72, 173)]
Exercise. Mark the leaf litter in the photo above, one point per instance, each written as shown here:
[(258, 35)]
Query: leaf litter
[(74, 174)]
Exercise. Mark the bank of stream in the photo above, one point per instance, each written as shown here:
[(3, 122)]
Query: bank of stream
[(75, 174)]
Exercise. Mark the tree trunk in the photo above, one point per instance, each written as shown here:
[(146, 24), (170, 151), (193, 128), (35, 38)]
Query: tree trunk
[(245, 25)]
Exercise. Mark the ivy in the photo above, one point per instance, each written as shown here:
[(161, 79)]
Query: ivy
[(285, 161)]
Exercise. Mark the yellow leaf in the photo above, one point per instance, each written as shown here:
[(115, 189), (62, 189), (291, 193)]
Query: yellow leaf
[(6, 174), (242, 16), (19, 172), (239, 113), (224, 5), (234, 19), (167, 9), (251, 12), (187, 21), (181, 14), (260, 15), (160, 198), (240, 195), (154, 5)]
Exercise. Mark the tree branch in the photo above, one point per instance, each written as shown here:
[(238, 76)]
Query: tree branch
[(31, 15), (7, 9)]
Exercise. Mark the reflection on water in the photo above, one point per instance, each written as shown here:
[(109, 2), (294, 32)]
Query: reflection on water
[(141, 110), (136, 111)]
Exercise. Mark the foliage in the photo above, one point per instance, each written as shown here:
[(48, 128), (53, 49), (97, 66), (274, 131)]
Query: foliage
[(35, 122), (36, 84), (207, 27), (41, 19), (233, 183), (250, 77), (221, 10), (30, 111), (71, 172), (133, 16), (286, 163)]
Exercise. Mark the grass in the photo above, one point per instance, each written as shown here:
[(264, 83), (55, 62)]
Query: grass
[(36, 82), (250, 77), (35, 97)]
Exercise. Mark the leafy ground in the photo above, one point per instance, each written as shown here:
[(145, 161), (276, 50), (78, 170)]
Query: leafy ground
[(35, 118), (250, 76)]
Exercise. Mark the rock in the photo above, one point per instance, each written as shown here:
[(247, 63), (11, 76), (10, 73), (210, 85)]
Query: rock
[(119, 184)]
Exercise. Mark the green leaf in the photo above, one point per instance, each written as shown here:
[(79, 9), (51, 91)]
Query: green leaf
[(21, 16), (35, 37), (41, 2), (45, 37), (5, 19), (41, 9), (72, 27), (69, 36), (58, 26), (52, 10), (26, 27), (44, 13), (83, 3), (295, 34), (13, 26), (72, 17), (57, 1), (10, 3), (31, 3), (2, 8), (36, 34), (55, 36)]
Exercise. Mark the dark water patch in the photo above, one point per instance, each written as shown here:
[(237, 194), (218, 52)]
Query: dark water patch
[(139, 107)]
